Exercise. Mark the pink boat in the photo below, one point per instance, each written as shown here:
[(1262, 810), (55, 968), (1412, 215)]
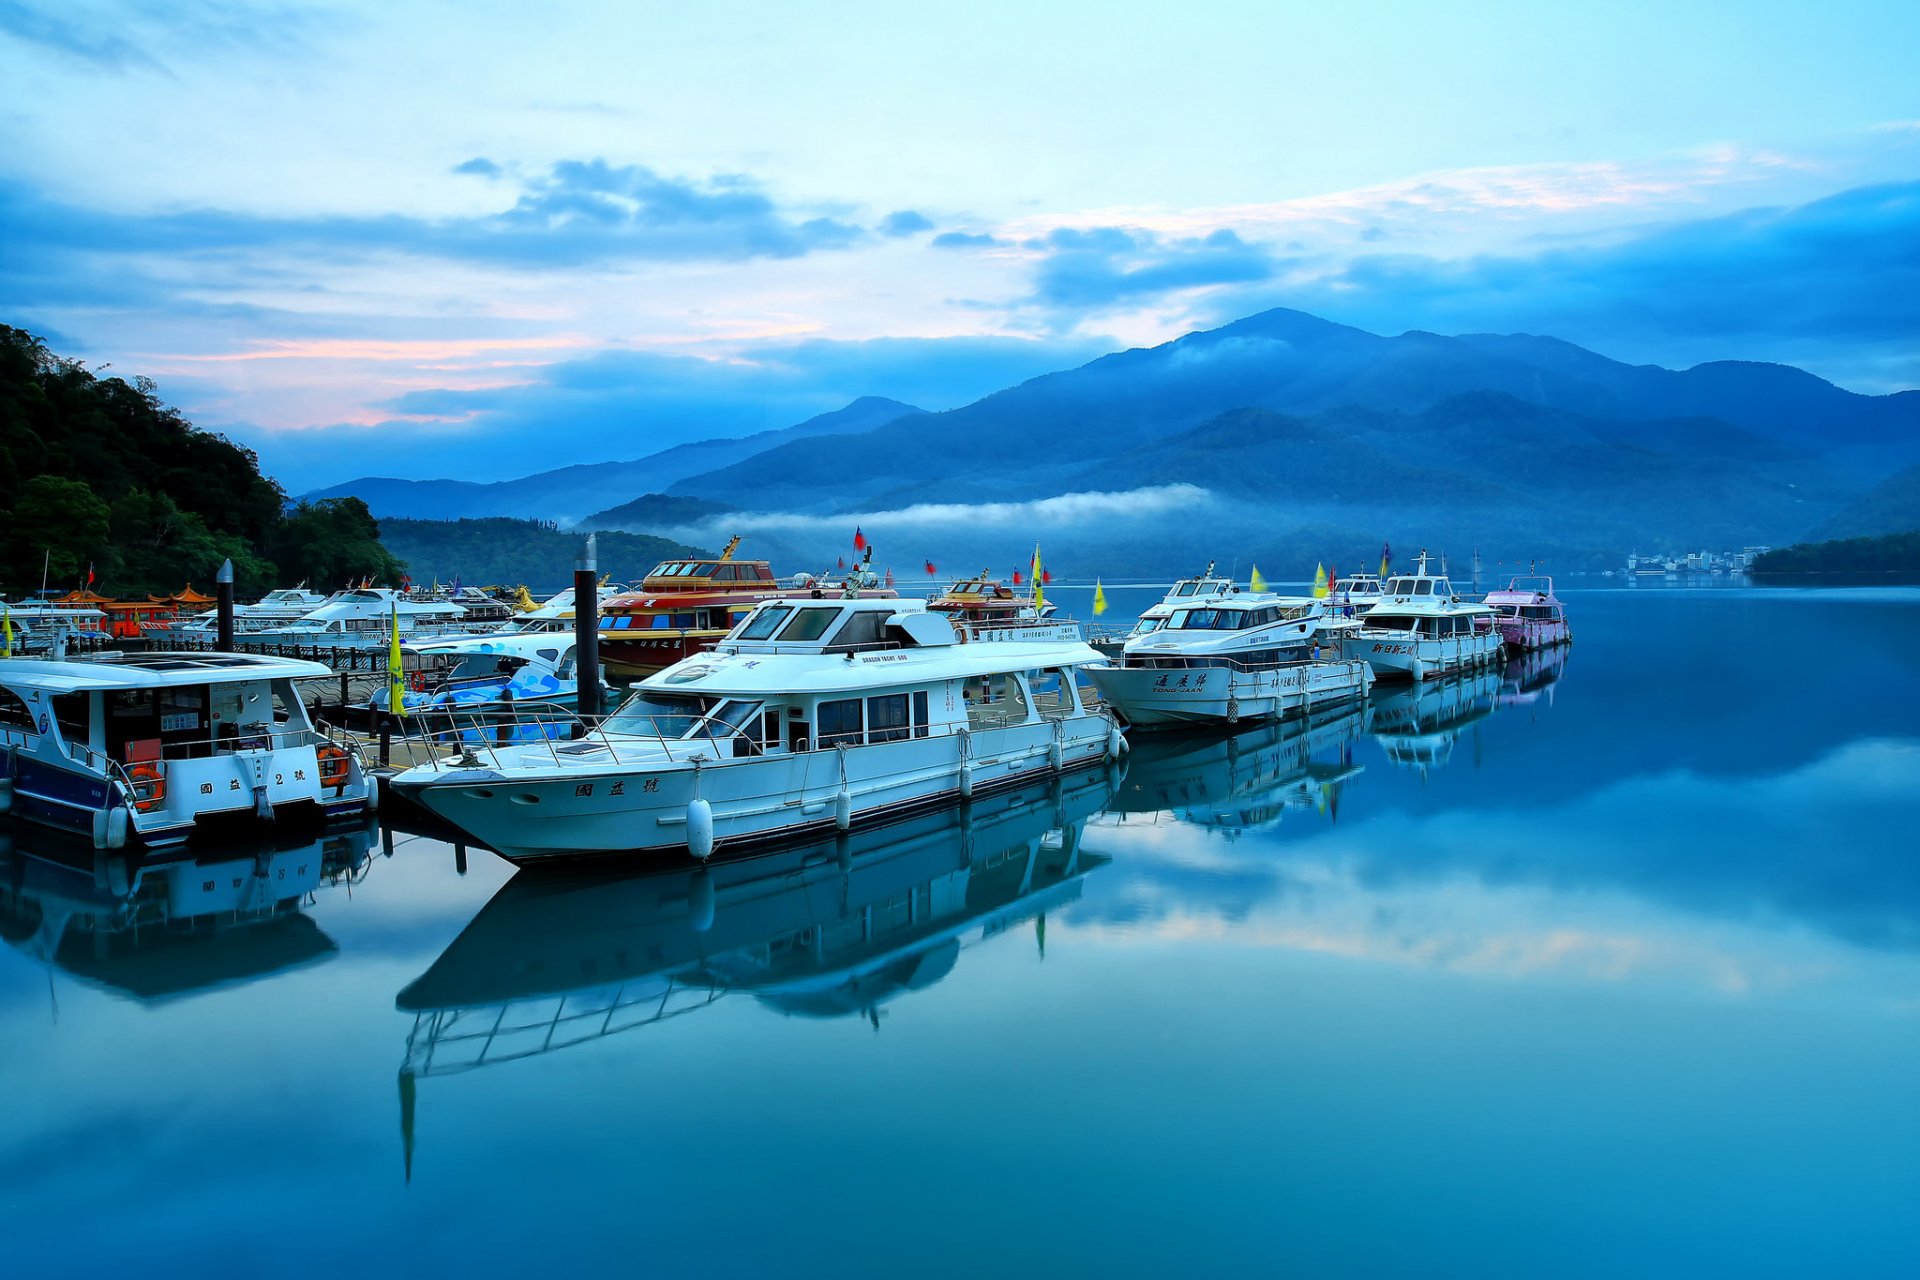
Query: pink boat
[(1529, 615)]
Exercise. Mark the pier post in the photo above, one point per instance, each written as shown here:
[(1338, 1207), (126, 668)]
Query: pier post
[(223, 591), (586, 630)]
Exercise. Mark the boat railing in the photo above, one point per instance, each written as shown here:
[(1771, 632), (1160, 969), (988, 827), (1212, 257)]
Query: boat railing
[(566, 734), (242, 739), (1211, 662)]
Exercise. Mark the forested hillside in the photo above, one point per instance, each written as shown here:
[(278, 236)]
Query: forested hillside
[(506, 552)]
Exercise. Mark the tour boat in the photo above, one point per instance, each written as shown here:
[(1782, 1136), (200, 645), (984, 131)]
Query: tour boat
[(157, 928), (140, 748), (1417, 725), (1248, 780), (984, 609), (1225, 659), (808, 714), (44, 626), (1529, 615), (1112, 641), (364, 618), (684, 607), (1356, 592), (830, 927), (489, 675), (1421, 629)]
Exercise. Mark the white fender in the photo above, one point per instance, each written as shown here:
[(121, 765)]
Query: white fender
[(700, 829), (1117, 744), (373, 791), (1417, 669), (843, 809), (700, 899), (1055, 756), (117, 822), (966, 779)]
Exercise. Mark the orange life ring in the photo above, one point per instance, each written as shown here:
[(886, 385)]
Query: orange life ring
[(149, 785), (333, 765)]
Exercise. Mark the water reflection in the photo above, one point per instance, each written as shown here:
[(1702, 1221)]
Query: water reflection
[(155, 928), (1417, 725), (1234, 783), (836, 927)]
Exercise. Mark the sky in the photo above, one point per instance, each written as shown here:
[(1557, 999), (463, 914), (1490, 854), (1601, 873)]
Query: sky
[(479, 240)]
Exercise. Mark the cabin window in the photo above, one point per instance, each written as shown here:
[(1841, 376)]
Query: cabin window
[(1053, 692), (770, 730), (920, 718), (837, 724), (70, 713), (864, 626), (1423, 588), (650, 715), (811, 624), (764, 624), (14, 714), (725, 573), (887, 718)]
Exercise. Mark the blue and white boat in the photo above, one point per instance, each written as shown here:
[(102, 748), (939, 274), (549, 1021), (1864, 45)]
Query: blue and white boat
[(145, 748), (490, 675)]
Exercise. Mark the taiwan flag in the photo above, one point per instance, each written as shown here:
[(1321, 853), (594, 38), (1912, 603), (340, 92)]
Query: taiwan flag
[(859, 539), (930, 569)]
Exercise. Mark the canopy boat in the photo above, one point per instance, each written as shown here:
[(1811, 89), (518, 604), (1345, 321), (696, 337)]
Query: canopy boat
[(1421, 629), (809, 714), (491, 675), (684, 606), (144, 747), (833, 926), (1417, 725), (364, 618), (1244, 781), (1528, 614), (158, 928), (1225, 659), (984, 609)]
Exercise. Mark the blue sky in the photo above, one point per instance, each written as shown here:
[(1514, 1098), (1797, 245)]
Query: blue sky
[(476, 240)]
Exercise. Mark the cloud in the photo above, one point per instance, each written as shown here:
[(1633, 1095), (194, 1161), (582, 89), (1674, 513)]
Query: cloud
[(965, 240), (1068, 509), (1092, 268), (61, 33), (904, 222), (479, 166)]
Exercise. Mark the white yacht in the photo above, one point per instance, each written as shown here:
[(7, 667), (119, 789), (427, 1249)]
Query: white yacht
[(363, 618), (1356, 592), (45, 626), (1231, 658), (807, 715), (1422, 628), (1112, 642), (280, 608), (140, 748)]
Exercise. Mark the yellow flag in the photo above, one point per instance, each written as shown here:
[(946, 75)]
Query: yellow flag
[(1320, 582), (1385, 569), (1039, 576), (1256, 583), (1099, 599), (396, 671), (6, 623)]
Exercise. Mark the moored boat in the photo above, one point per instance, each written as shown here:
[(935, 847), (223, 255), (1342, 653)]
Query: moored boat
[(365, 618), (1205, 586), (809, 714), (1227, 659), (487, 676), (1421, 629), (143, 748), (1528, 614), (984, 608)]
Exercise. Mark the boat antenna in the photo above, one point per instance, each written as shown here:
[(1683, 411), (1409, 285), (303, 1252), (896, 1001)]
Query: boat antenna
[(45, 560)]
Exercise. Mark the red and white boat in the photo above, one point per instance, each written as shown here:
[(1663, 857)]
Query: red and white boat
[(1529, 615)]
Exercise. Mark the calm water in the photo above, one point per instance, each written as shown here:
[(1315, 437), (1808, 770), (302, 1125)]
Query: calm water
[(1604, 968)]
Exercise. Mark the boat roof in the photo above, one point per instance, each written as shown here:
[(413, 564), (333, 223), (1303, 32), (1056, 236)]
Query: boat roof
[(507, 643), (156, 670)]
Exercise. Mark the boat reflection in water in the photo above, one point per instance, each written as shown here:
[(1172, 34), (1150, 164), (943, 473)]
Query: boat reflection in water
[(1244, 781), (158, 927), (824, 929), (1530, 676), (1418, 725)]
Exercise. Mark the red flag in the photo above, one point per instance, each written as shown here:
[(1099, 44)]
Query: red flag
[(1333, 575), (930, 569), (859, 539), (843, 562), (89, 573), (1046, 577), (1016, 577), (889, 575)]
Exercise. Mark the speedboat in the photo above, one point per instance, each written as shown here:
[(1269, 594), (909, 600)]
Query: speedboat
[(279, 608), (684, 606), (142, 748), (1225, 659), (985, 609), (809, 714), (1529, 615), (488, 675), (1421, 629)]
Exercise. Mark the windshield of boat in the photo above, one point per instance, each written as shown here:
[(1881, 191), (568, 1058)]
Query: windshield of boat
[(1208, 620), (648, 715), (1148, 625), (763, 623)]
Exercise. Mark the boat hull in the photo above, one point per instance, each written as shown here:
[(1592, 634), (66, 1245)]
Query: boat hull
[(1534, 633), (589, 804), (1399, 656), (1159, 697)]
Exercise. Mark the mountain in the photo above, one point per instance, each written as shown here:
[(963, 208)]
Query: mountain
[(1892, 507), (570, 493), (499, 550), (654, 511), (1037, 438)]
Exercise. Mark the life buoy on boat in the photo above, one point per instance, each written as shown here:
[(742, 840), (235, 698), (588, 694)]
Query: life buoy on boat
[(332, 760), (149, 785)]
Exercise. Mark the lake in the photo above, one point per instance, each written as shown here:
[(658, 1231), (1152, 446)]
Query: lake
[(1601, 966)]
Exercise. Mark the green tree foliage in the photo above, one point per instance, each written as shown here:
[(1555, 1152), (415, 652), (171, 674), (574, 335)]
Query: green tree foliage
[(172, 495), (1895, 553), (333, 543), (507, 552)]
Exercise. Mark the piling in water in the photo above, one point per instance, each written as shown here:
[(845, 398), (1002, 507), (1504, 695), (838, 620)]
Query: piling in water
[(586, 630), (224, 592)]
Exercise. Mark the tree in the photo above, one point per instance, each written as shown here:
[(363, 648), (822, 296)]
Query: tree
[(332, 542), (56, 523)]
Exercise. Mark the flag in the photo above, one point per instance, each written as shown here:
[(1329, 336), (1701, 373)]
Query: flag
[(396, 672), (1319, 582), (841, 563), (889, 575), (930, 569), (1016, 578), (1333, 578), (859, 539), (1099, 599), (1256, 583), (455, 588), (1039, 590), (6, 624), (89, 573), (1046, 576), (1386, 559)]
